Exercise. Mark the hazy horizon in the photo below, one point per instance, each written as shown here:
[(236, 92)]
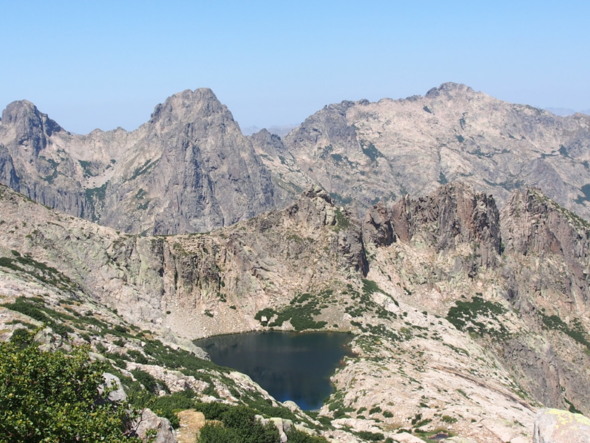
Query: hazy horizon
[(105, 65)]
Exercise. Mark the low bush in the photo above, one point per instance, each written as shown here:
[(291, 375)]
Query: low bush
[(53, 396)]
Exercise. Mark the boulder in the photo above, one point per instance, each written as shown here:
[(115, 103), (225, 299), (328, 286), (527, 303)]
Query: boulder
[(149, 427), (112, 382), (558, 426)]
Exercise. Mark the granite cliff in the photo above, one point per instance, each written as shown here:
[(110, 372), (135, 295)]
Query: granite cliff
[(188, 169)]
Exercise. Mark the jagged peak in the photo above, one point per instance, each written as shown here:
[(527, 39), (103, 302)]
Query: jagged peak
[(535, 202), (25, 114), (19, 110), (189, 105)]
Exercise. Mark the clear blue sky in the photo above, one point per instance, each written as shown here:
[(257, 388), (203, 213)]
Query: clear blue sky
[(107, 63)]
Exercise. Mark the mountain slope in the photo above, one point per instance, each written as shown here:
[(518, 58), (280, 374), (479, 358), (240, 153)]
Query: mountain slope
[(363, 152), (460, 314)]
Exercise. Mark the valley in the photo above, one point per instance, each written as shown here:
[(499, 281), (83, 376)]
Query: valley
[(454, 251)]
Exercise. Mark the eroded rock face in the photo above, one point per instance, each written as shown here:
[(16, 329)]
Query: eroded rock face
[(449, 217), (547, 258), (188, 169), (534, 225), (443, 336), (558, 426), (378, 227)]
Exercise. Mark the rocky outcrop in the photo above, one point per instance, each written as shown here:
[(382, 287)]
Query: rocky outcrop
[(265, 261), (451, 216), (30, 128), (557, 426), (378, 227), (195, 168), (450, 330), (189, 168), (288, 178), (112, 384), (190, 423), (533, 225), (546, 250)]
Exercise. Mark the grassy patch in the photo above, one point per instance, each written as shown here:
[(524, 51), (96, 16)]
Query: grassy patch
[(372, 152), (144, 168), (342, 221)]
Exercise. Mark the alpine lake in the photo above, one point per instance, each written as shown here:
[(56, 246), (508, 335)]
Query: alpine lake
[(289, 365)]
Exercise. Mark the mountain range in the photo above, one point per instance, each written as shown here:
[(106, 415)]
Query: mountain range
[(447, 233), (190, 169)]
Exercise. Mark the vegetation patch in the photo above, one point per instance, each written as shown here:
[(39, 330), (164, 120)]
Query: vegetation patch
[(576, 331), (300, 312), (340, 199), (335, 405), (370, 436), (95, 197), (468, 316), (372, 152), (144, 168), (53, 165), (88, 168), (52, 396), (38, 270), (342, 221), (585, 194)]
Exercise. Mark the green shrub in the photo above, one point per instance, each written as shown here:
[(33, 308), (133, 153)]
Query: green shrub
[(52, 396), (239, 425), (21, 337), (148, 381), (137, 356), (296, 436), (464, 314), (168, 405), (370, 436), (218, 433), (448, 419), (576, 331)]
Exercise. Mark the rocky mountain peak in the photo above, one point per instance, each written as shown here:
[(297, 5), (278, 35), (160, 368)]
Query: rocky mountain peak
[(449, 89), (189, 106), (16, 110), (26, 117), (27, 125)]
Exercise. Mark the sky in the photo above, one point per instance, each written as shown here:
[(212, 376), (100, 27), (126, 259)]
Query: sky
[(104, 64)]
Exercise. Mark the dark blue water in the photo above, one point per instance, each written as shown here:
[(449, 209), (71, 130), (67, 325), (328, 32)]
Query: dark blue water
[(290, 366)]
